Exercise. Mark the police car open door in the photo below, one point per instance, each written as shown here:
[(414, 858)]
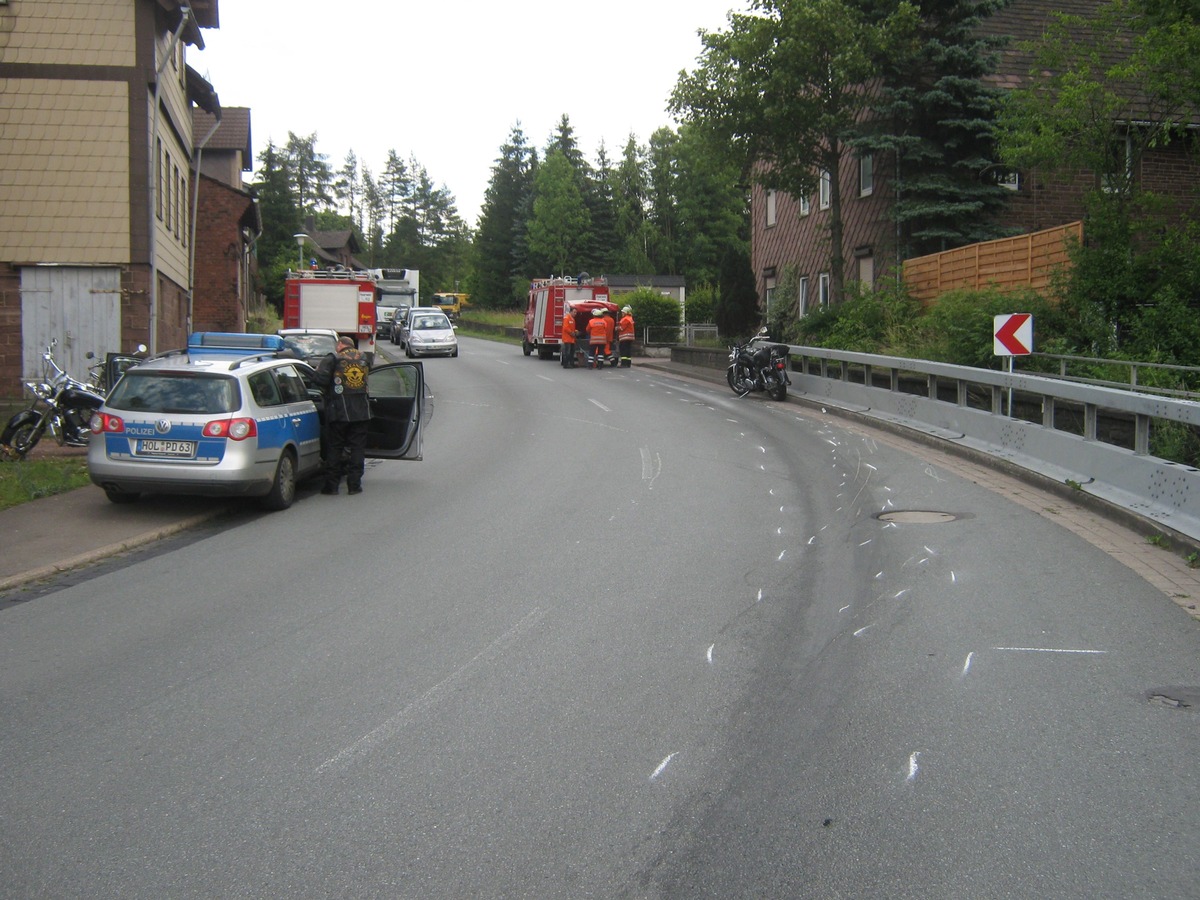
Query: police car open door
[(397, 396)]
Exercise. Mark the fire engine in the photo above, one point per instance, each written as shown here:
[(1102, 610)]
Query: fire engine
[(549, 298), (341, 299)]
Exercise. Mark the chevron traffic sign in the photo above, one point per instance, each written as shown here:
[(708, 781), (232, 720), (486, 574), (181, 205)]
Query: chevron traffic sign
[(1012, 334)]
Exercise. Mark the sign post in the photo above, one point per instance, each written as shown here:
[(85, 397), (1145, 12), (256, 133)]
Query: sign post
[(1012, 335)]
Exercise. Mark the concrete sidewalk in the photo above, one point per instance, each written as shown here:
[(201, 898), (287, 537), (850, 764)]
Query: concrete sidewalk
[(67, 531)]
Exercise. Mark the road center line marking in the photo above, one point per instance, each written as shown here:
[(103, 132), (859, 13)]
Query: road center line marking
[(599, 404)]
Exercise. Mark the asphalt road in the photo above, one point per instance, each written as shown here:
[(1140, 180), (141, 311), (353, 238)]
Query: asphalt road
[(618, 635)]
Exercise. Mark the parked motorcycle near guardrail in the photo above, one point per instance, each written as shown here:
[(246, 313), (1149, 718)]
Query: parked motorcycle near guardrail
[(759, 366), (61, 404)]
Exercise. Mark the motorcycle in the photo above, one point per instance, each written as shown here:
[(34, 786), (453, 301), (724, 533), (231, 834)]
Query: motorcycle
[(758, 365), (61, 404)]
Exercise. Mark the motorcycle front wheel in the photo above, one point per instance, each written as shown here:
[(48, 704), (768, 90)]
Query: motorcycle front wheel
[(21, 434), (739, 383)]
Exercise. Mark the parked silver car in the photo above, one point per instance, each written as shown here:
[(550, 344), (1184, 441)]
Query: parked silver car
[(235, 416), (430, 334)]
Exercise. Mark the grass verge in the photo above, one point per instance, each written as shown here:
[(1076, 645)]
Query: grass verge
[(31, 479)]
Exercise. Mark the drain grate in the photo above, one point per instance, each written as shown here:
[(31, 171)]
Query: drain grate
[(917, 516)]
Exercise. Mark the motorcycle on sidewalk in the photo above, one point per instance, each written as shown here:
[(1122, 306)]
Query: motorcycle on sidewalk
[(759, 365), (61, 405)]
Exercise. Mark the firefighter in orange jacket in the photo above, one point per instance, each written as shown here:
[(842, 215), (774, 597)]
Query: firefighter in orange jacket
[(625, 332), (597, 338), (567, 352), (610, 332)]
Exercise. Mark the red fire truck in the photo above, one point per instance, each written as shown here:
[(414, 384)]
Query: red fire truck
[(340, 299), (549, 298)]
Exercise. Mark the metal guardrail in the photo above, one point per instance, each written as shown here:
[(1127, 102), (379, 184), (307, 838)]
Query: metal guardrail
[(1096, 439), (1188, 373)]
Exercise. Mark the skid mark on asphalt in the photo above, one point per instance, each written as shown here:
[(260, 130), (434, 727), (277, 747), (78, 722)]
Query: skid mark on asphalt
[(390, 728)]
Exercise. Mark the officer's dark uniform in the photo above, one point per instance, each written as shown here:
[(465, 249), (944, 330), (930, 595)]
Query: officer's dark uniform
[(343, 376)]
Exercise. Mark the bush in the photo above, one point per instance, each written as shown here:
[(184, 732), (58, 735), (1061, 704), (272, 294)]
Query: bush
[(650, 308), (700, 305), (959, 326), (869, 321)]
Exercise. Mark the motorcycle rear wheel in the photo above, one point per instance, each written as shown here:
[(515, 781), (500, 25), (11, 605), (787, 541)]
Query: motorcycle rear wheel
[(778, 390), (21, 434)]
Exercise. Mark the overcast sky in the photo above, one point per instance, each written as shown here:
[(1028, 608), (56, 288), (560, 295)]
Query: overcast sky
[(446, 80)]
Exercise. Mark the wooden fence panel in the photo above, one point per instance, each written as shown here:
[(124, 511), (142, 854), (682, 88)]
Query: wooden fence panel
[(1027, 260)]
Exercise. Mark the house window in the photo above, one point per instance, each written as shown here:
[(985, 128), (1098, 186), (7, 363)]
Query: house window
[(165, 191), (770, 207), (866, 176), (1010, 181), (805, 206), (178, 203), (803, 295), (183, 219), (1117, 179), (769, 287), (158, 200), (823, 289), (866, 271), (826, 190)]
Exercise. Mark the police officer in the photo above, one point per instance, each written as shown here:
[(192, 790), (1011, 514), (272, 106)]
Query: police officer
[(343, 377)]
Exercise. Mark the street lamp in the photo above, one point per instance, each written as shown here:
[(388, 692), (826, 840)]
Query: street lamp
[(300, 243)]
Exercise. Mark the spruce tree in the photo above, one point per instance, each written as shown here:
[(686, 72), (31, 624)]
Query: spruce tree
[(933, 124), (500, 223)]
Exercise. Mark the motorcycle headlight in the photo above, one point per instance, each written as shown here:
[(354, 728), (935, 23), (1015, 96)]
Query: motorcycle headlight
[(39, 389)]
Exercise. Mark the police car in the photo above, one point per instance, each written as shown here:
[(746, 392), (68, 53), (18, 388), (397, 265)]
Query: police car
[(235, 415)]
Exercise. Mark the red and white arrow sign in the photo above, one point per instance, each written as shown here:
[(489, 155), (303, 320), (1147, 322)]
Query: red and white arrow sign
[(1013, 334)]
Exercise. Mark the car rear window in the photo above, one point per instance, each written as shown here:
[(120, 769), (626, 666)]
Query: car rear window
[(310, 344), (430, 322), (175, 392)]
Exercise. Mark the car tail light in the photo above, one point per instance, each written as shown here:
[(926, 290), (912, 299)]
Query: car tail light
[(102, 422), (234, 429)]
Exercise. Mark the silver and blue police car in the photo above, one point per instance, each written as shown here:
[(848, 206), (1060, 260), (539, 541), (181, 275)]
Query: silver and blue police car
[(235, 415)]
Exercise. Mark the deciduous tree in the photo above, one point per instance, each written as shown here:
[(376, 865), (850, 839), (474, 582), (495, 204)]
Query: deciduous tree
[(784, 88)]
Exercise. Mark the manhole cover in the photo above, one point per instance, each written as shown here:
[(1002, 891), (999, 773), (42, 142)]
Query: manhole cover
[(917, 516)]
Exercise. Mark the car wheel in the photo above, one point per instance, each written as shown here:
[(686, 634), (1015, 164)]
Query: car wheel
[(408, 352), (117, 496), (526, 347), (283, 488), (455, 353)]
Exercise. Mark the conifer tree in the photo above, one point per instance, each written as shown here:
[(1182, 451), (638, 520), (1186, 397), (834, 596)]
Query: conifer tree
[(500, 223), (932, 123)]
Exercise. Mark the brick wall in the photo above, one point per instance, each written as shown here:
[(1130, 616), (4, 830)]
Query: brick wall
[(218, 288), (10, 331), (1042, 201)]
